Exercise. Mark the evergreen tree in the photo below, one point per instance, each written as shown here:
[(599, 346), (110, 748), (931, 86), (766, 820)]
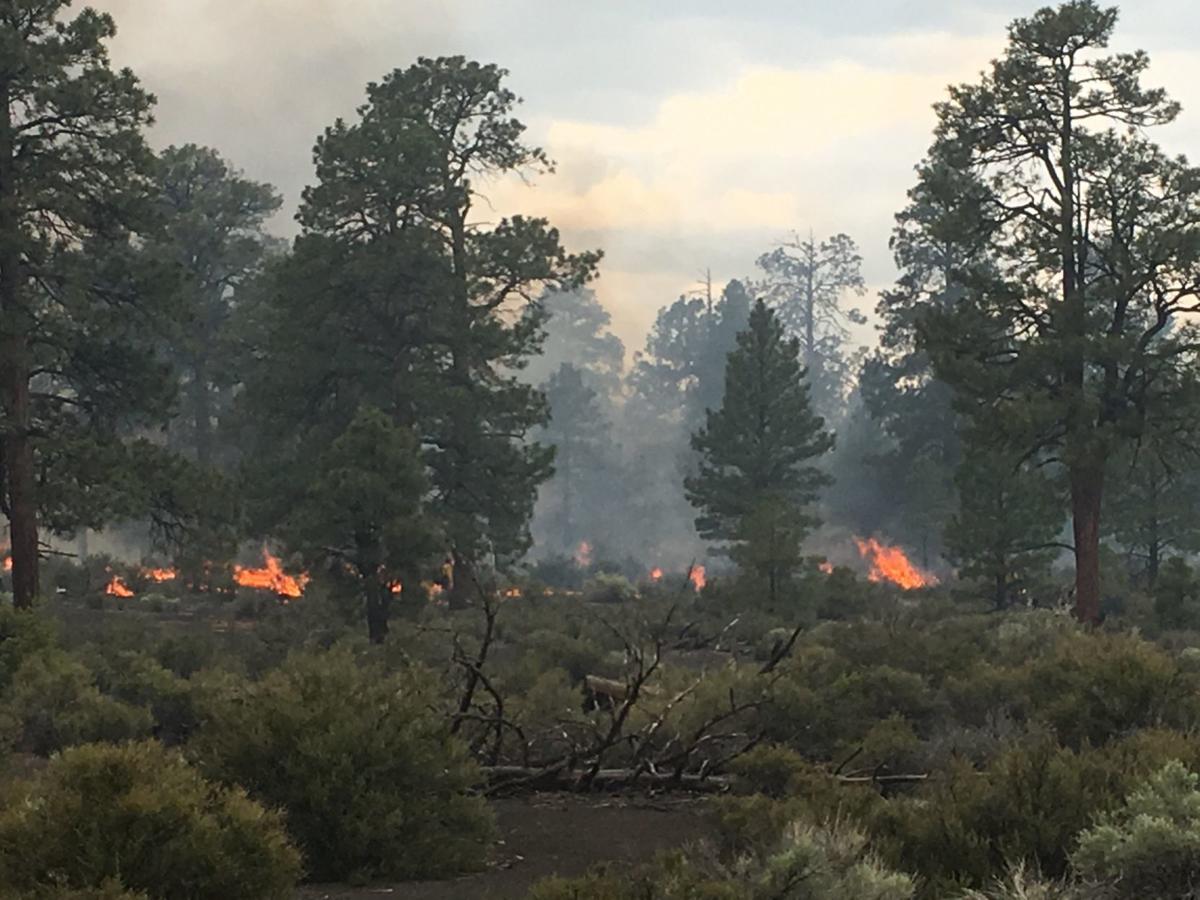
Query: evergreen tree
[(1004, 531), (1153, 507), (578, 333), (361, 519), (755, 478), (397, 297), (1064, 340), (583, 452), (78, 367), (213, 236), (806, 282)]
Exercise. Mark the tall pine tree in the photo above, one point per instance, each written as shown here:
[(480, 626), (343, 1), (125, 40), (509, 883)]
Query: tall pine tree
[(78, 367), (756, 480), (1071, 336)]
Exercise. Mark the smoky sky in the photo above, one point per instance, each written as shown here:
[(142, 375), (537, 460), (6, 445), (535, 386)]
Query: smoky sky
[(688, 136)]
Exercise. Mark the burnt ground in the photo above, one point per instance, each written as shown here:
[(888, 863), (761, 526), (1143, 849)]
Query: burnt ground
[(552, 834)]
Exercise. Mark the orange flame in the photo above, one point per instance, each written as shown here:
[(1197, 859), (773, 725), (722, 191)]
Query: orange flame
[(513, 592), (8, 564), (826, 567), (890, 564), (697, 577), (583, 555), (271, 577), (160, 575), (396, 587), (117, 588), (656, 574)]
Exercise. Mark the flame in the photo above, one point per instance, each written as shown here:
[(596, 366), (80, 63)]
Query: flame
[(117, 588), (8, 564), (513, 592), (160, 575), (697, 577), (271, 577), (583, 555), (656, 574), (826, 567), (396, 587), (890, 564)]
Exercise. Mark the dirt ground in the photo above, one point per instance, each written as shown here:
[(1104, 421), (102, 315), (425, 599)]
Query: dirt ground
[(552, 834)]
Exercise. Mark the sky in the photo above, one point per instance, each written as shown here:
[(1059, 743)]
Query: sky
[(687, 136)]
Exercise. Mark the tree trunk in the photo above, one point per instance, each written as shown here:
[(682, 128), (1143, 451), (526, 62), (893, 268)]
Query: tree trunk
[(202, 415), (1087, 490), (379, 611), (20, 477), (1000, 590)]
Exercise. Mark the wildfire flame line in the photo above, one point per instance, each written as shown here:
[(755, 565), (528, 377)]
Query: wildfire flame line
[(891, 565), (271, 577)]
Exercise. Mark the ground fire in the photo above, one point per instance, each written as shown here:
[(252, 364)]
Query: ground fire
[(891, 565), (271, 577), (116, 587)]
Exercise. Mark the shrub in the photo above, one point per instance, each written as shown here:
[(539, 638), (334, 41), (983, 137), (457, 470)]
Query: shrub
[(1150, 847), (22, 634), (55, 703), (372, 782), (606, 588), (139, 817), (809, 861), (1093, 688), (136, 678)]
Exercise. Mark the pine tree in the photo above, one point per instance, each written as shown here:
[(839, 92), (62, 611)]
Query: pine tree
[(806, 282), (78, 367), (400, 295), (362, 516), (213, 237), (755, 480), (1004, 531), (1071, 334)]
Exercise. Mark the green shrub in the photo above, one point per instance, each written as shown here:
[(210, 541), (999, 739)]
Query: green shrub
[(1093, 688), (110, 890), (372, 783), (22, 634), (139, 816), (55, 703), (806, 861), (605, 588), (136, 678), (1149, 847)]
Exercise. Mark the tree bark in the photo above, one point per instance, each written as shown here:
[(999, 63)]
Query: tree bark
[(20, 475), (379, 611), (1087, 491)]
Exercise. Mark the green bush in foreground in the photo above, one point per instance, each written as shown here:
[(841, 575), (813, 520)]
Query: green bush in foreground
[(372, 782), (100, 819), (1150, 847)]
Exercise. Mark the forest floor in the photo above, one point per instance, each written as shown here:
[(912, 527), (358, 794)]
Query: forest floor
[(552, 834)]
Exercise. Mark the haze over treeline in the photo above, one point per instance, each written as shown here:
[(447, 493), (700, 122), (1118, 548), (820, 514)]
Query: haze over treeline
[(158, 321)]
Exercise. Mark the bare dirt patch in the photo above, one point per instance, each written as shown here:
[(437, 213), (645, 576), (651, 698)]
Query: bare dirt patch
[(553, 834)]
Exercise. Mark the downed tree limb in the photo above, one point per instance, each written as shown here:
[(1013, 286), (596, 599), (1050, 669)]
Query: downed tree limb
[(522, 778)]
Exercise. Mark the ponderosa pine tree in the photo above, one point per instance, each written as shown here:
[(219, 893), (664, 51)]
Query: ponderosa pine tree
[(1066, 334), (583, 454), (756, 481), (1153, 507), (362, 516), (78, 367), (212, 235), (806, 282), (397, 295), (1004, 532)]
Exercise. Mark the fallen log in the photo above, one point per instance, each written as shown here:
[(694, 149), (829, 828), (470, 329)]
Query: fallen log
[(502, 779)]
